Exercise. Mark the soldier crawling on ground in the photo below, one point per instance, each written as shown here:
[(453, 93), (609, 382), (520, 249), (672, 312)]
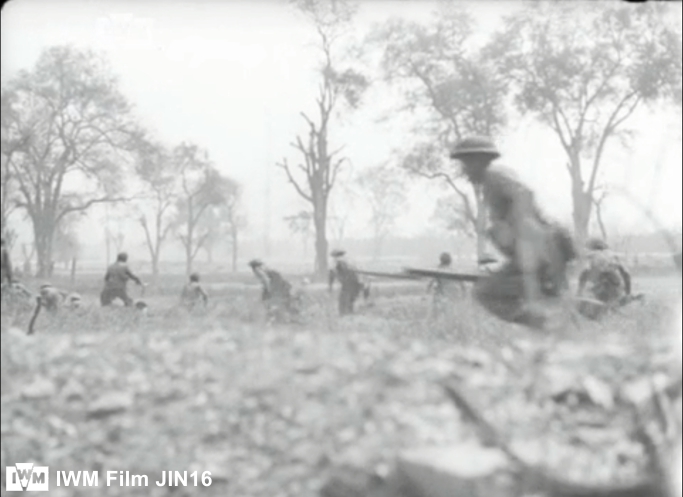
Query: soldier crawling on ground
[(276, 292), (351, 285), (193, 294), (52, 298), (537, 251), (116, 280), (605, 279)]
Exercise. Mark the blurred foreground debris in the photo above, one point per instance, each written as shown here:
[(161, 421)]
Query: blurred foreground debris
[(494, 469)]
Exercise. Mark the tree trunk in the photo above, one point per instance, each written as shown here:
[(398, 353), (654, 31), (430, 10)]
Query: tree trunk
[(601, 224), (72, 280), (188, 256), (582, 201), (155, 268), (581, 214), (321, 247), (43, 241)]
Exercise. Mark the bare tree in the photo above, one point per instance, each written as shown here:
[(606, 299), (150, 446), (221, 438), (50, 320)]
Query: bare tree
[(449, 79), (321, 163), (584, 70), (70, 124), (385, 192), (448, 214), (598, 201), (236, 219), (155, 168), (201, 188), (300, 225), (221, 221), (66, 242), (8, 184)]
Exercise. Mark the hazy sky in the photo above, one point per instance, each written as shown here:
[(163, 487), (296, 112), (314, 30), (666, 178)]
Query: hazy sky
[(232, 76)]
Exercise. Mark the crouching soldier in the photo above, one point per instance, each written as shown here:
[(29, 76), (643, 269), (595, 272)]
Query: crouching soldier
[(116, 280), (605, 280), (276, 291), (443, 290), (351, 285), (537, 251), (193, 294)]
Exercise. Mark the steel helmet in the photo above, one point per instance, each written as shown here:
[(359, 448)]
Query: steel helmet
[(596, 244), (474, 145), (445, 258)]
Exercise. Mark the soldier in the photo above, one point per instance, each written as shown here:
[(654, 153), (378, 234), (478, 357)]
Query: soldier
[(193, 293), (276, 293), (51, 297), (605, 278), (115, 282), (6, 268), (440, 288), (351, 285), (537, 251)]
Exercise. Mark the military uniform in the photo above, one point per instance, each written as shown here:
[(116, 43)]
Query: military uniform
[(443, 291), (604, 279), (193, 293), (537, 250), (276, 291), (115, 283), (351, 285)]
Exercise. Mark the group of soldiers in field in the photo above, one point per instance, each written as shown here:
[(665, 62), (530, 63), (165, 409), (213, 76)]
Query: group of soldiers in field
[(523, 290)]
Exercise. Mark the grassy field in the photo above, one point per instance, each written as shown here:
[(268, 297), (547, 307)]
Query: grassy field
[(269, 409)]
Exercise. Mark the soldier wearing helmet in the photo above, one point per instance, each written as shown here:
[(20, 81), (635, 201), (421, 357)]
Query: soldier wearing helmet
[(351, 285), (116, 280), (193, 293), (443, 290), (604, 279), (537, 251), (276, 291)]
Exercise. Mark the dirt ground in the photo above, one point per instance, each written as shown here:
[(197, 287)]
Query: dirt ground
[(269, 409)]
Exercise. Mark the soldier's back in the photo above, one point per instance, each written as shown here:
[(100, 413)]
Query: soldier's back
[(117, 275), (278, 284), (347, 274)]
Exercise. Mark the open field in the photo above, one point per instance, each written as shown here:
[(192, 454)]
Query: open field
[(268, 409)]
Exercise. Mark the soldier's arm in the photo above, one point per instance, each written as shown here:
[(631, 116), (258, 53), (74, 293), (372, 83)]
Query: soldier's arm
[(265, 281), (130, 274), (204, 295), (626, 277)]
